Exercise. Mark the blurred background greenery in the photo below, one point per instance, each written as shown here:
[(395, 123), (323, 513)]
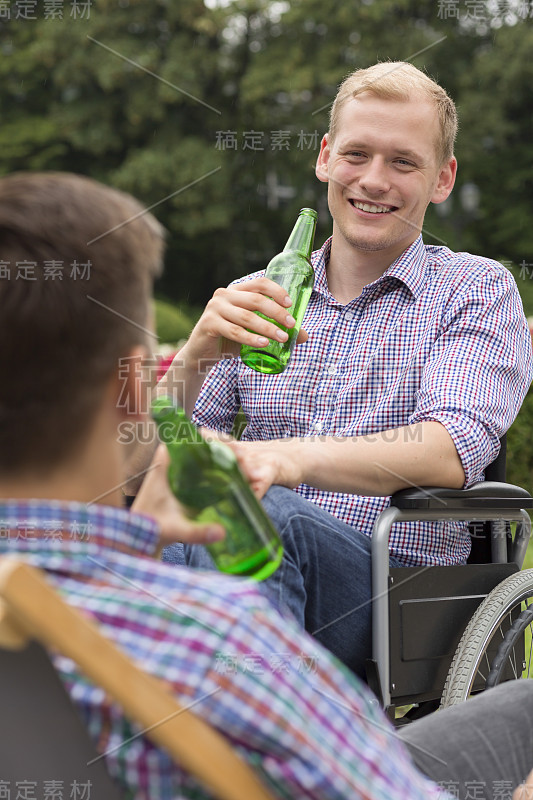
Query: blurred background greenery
[(212, 111)]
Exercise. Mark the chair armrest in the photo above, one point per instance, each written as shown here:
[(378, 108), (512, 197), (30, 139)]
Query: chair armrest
[(482, 495)]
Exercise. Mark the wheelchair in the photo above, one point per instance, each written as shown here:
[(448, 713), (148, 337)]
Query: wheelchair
[(443, 633)]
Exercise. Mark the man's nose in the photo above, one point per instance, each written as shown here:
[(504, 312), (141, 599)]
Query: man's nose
[(375, 178)]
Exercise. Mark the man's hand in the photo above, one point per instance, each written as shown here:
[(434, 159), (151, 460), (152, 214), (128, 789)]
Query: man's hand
[(229, 320), (156, 500), (267, 463), (227, 323)]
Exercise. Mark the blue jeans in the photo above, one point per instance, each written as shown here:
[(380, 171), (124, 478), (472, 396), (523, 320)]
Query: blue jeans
[(324, 577)]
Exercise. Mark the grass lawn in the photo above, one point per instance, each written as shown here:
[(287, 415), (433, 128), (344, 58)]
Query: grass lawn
[(528, 564), (528, 561)]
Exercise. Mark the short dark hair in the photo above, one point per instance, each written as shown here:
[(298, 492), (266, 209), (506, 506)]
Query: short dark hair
[(77, 263)]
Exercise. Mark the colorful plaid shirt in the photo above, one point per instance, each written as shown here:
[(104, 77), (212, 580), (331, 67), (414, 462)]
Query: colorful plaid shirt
[(305, 723), (439, 336)]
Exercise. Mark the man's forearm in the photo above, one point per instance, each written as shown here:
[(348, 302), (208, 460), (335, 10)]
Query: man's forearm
[(375, 465)]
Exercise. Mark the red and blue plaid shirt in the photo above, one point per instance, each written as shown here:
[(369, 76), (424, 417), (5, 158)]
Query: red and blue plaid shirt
[(303, 721), (439, 336)]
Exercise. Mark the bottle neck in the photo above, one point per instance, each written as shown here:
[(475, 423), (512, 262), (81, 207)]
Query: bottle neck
[(302, 236), (172, 423)]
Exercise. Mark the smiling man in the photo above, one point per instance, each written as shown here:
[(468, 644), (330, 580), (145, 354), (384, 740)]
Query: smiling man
[(384, 159), (414, 363)]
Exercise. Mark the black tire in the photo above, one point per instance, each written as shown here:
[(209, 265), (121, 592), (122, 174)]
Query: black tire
[(506, 654), (478, 651)]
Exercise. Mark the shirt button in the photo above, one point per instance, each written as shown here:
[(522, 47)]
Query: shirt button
[(331, 369), (349, 315), (318, 426)]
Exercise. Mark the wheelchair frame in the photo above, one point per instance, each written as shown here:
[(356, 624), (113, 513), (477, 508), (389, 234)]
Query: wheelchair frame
[(440, 600)]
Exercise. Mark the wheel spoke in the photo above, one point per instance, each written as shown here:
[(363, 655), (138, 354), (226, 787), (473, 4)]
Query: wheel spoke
[(530, 649), (512, 660)]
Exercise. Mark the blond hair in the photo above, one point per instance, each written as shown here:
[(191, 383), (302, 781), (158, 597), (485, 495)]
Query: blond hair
[(398, 80)]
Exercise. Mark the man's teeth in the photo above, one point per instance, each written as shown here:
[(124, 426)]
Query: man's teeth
[(372, 209)]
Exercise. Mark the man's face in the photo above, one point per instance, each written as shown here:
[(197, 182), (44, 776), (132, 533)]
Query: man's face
[(383, 171)]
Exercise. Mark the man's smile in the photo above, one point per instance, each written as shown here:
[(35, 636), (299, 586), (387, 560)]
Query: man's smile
[(371, 208)]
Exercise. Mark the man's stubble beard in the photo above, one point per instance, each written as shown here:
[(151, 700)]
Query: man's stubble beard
[(360, 243)]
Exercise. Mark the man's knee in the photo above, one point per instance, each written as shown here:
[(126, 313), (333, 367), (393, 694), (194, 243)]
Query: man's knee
[(511, 697)]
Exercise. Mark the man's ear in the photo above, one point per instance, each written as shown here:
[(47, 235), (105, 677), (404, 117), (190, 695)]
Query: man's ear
[(135, 378), (321, 169), (445, 181)]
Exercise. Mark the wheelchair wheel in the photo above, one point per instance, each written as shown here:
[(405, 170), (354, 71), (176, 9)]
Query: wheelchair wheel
[(507, 650), (491, 649)]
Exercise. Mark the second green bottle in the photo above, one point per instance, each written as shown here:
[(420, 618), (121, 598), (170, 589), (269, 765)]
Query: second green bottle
[(206, 479)]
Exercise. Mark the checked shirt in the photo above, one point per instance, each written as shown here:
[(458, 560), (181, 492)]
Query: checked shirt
[(304, 722), (439, 336)]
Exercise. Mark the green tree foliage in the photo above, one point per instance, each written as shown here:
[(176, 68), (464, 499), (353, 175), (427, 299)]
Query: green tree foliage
[(119, 97), (212, 111), (496, 104), (520, 447), (172, 324), (144, 94)]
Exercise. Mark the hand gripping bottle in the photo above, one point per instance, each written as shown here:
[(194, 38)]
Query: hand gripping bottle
[(207, 481), (291, 269)]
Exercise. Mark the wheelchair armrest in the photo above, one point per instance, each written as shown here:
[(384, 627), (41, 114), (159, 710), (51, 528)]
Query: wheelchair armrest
[(482, 495)]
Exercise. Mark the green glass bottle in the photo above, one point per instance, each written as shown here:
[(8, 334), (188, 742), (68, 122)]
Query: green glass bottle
[(291, 269), (206, 479)]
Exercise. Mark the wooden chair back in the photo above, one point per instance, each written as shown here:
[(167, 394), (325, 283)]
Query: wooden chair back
[(31, 609)]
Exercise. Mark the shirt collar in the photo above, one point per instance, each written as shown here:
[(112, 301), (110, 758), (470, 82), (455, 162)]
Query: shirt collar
[(319, 260), (28, 524), (409, 268)]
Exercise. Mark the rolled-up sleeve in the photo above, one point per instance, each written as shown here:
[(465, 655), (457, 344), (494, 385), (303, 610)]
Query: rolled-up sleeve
[(479, 369), (218, 402)]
